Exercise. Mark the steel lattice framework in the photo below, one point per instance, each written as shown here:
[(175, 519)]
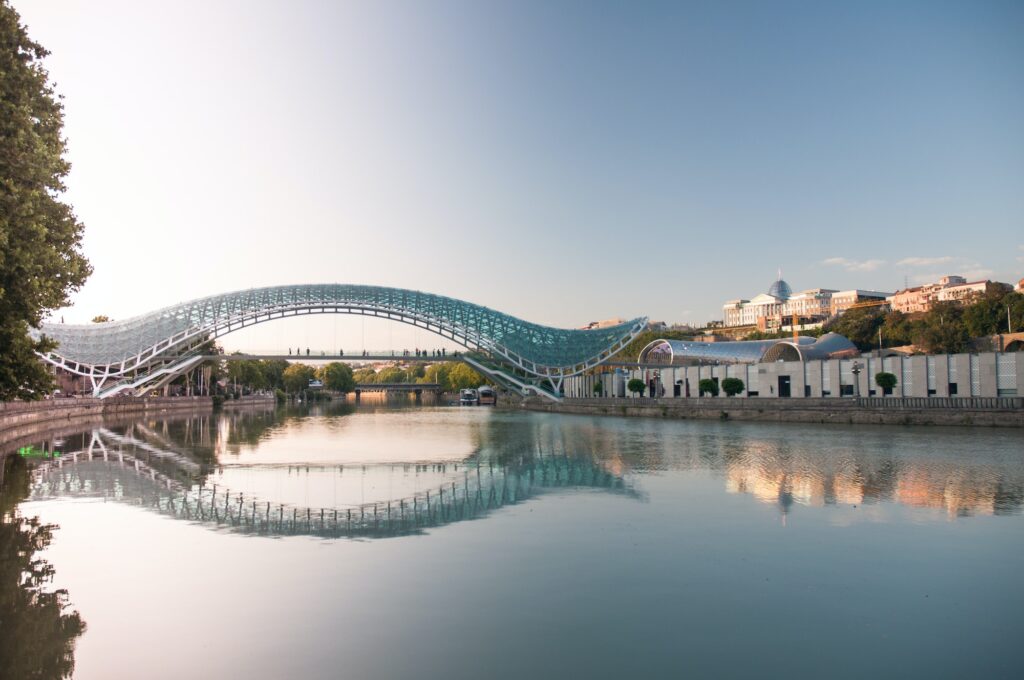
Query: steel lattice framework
[(146, 351)]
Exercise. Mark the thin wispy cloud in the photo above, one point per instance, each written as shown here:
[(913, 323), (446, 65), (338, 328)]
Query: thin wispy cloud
[(924, 261), (854, 265)]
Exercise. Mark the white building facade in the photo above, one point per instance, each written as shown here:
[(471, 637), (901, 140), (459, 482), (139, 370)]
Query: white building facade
[(991, 374)]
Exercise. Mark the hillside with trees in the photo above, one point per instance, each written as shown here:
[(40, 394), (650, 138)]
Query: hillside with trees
[(946, 328)]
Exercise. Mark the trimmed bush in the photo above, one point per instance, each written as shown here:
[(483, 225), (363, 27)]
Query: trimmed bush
[(636, 386), (886, 381), (708, 386), (732, 386)]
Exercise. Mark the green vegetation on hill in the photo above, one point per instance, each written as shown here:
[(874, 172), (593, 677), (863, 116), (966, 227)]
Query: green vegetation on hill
[(946, 328)]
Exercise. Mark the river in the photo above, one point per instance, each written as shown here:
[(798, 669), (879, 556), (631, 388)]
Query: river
[(390, 540)]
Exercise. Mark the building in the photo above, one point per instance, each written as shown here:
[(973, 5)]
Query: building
[(801, 370), (743, 312), (606, 323), (845, 299), (776, 309), (947, 289), (968, 291)]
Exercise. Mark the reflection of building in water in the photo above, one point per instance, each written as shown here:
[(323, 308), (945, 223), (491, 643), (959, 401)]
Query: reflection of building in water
[(958, 488), (958, 491)]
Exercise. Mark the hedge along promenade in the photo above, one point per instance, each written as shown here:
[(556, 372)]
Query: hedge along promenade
[(969, 411)]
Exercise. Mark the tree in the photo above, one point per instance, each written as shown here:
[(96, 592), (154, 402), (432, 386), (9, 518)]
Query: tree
[(438, 373), (886, 381), (732, 386), (101, 318), (462, 377), (941, 330), (41, 262), (897, 330), (598, 387), (297, 377), (247, 373), (273, 373), (860, 326), (707, 386), (1015, 303), (365, 376), (392, 374), (986, 316), (636, 386), (338, 376)]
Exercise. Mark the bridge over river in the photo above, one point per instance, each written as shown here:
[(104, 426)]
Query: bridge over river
[(143, 353), (123, 468)]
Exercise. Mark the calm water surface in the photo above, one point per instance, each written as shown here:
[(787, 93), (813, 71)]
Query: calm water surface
[(391, 541)]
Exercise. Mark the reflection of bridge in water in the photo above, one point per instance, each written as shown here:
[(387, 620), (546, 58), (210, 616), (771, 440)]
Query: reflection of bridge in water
[(125, 469)]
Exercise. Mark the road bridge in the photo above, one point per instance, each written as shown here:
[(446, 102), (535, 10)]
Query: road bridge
[(143, 353), (408, 388)]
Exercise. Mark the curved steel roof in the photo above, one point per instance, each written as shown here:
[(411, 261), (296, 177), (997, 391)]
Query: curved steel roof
[(683, 352)]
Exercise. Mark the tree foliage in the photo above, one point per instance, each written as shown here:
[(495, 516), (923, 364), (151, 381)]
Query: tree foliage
[(462, 377), (946, 328), (860, 326), (41, 262), (707, 386), (732, 386), (337, 376), (885, 380), (392, 374), (297, 377), (636, 386)]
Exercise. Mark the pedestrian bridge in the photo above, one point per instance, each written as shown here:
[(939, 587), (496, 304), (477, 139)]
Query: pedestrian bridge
[(145, 352)]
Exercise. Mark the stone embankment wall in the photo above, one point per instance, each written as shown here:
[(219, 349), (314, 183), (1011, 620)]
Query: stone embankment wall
[(22, 422), (16, 415), (896, 411)]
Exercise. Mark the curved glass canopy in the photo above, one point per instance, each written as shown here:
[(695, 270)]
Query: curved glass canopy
[(117, 348), (683, 352)]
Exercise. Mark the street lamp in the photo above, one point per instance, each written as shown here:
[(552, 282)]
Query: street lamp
[(856, 379)]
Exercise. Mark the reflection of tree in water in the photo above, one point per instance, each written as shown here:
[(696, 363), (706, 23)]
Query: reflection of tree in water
[(37, 630)]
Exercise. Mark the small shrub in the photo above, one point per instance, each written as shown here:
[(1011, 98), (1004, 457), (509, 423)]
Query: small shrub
[(732, 386), (886, 381), (218, 401), (636, 386), (708, 386)]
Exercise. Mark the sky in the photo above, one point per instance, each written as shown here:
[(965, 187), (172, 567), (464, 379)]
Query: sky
[(563, 162)]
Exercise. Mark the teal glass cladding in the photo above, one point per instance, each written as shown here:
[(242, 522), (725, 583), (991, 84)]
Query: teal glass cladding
[(128, 344)]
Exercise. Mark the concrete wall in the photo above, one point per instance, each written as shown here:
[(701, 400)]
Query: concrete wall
[(909, 411)]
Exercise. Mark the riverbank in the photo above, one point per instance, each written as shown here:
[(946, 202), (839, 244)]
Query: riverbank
[(987, 412), (19, 418)]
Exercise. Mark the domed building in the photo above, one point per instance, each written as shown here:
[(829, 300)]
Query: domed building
[(780, 289), (744, 312)]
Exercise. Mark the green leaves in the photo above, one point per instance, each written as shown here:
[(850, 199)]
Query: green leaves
[(338, 376), (41, 263)]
